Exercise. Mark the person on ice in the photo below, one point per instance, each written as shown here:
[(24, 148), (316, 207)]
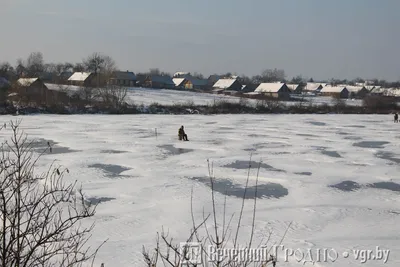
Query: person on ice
[(182, 135), (396, 117)]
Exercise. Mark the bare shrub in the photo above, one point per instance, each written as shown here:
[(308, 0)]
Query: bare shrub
[(113, 96), (41, 216), (377, 103), (220, 234)]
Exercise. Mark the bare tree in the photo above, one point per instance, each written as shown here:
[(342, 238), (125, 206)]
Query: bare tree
[(113, 96), (41, 216), (35, 64), (273, 75), (99, 63), (78, 67), (219, 234)]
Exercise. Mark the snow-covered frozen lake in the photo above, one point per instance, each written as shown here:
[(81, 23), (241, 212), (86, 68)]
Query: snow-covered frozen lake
[(335, 177)]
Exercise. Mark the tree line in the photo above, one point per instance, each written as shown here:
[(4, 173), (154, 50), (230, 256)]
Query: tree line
[(34, 66)]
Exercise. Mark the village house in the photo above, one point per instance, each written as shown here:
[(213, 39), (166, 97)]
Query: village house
[(275, 90), (248, 88), (178, 82), (61, 93), (123, 78), (295, 88), (335, 91), (31, 90), (212, 79), (314, 87), (193, 83), (227, 84), (86, 79), (159, 82), (357, 91)]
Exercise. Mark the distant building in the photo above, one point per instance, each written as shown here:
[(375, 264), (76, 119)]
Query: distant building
[(181, 74), (178, 82), (32, 90), (314, 87), (86, 79), (159, 82), (295, 88), (357, 91), (335, 91), (227, 84), (123, 78), (275, 90)]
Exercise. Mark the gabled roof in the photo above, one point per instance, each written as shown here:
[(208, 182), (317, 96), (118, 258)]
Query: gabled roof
[(224, 83), (315, 86), (355, 89), (162, 79), (292, 86), (124, 75), (178, 81), (333, 89), (26, 81), (79, 76), (196, 81), (69, 89), (270, 87)]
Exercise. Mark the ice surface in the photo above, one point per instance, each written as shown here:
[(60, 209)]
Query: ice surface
[(148, 186)]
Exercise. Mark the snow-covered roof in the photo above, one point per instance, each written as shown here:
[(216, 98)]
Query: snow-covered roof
[(224, 83), (178, 81), (314, 86), (69, 89), (332, 89), (26, 81), (79, 76), (269, 87), (354, 89), (181, 73), (292, 86)]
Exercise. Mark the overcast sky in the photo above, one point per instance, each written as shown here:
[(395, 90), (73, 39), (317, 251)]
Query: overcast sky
[(314, 38)]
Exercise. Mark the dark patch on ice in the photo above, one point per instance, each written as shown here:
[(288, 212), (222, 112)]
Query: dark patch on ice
[(385, 185), (226, 187), (258, 135), (342, 133), (332, 154), (387, 156), (42, 146), (352, 138), (355, 126), (317, 123), (346, 186), (304, 173), (211, 122), (111, 151), (371, 144), (240, 165), (110, 169), (226, 128), (306, 135), (98, 200), (394, 212), (175, 151)]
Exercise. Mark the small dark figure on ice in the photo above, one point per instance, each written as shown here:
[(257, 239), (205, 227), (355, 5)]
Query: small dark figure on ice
[(396, 117), (182, 135)]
